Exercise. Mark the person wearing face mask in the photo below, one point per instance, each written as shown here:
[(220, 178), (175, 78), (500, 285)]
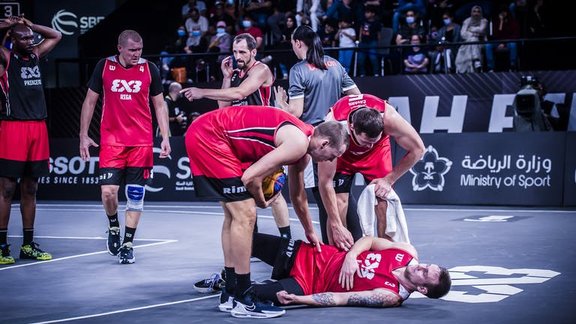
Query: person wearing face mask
[(197, 26), (410, 26), (445, 54), (169, 62), (221, 42), (248, 27), (416, 6)]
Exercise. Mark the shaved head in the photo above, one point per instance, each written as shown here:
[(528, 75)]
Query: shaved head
[(129, 34)]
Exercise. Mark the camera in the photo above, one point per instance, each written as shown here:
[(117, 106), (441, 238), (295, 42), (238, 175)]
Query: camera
[(529, 80)]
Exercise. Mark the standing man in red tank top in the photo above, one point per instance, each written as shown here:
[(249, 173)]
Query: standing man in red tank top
[(126, 81), (24, 151)]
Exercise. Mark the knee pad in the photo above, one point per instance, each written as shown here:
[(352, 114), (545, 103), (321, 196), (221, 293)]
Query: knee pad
[(135, 197)]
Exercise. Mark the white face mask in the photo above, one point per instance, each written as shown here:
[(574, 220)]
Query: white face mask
[(447, 21), (246, 23), (410, 20)]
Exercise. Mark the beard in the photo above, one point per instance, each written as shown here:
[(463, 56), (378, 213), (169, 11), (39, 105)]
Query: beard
[(244, 64)]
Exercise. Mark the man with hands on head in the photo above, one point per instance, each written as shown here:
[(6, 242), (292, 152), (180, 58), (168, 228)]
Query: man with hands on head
[(24, 148)]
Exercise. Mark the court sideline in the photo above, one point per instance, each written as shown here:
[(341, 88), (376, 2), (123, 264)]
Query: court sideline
[(508, 265)]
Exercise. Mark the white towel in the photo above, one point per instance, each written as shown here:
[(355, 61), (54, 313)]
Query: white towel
[(396, 226)]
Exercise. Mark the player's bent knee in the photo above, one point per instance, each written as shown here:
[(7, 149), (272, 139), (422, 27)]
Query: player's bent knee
[(135, 197)]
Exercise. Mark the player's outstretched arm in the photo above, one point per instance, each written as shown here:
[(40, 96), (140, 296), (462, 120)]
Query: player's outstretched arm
[(372, 298)]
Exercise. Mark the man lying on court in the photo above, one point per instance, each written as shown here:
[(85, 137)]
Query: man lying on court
[(375, 272)]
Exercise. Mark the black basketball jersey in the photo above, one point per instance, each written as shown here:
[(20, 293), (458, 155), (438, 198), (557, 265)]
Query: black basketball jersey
[(25, 90), (260, 97)]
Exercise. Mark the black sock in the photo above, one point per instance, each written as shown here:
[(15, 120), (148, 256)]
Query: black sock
[(242, 284), (230, 279), (285, 232), (128, 234), (256, 226), (3, 236), (113, 220), (28, 236)]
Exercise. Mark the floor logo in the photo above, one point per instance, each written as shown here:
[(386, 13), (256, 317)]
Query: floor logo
[(488, 284), (430, 170)]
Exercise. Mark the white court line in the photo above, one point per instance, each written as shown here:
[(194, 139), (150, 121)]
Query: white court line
[(184, 212), (126, 310), (82, 255), (85, 238), (444, 208)]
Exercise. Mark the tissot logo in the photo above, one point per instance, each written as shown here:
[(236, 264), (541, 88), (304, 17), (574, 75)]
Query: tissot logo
[(429, 171)]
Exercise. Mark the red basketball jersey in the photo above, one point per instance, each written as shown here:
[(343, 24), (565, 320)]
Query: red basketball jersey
[(126, 116), (249, 131), (373, 162), (318, 272)]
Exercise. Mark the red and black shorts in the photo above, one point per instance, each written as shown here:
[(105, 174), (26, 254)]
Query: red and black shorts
[(125, 164), (24, 149), (376, 164), (216, 171)]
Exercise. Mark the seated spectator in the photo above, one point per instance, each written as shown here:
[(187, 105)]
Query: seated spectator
[(197, 27), (416, 57), (168, 61), (416, 6), (443, 56), (504, 27), (436, 10), (193, 4), (474, 29), (248, 27), (220, 14), (221, 42), (410, 26), (259, 11)]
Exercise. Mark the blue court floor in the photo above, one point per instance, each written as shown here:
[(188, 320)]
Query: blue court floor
[(509, 265)]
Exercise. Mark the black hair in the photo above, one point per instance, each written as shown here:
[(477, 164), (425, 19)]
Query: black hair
[(315, 52), (250, 40), (443, 286), (369, 121)]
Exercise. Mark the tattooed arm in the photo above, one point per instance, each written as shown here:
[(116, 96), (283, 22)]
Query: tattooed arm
[(372, 298)]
